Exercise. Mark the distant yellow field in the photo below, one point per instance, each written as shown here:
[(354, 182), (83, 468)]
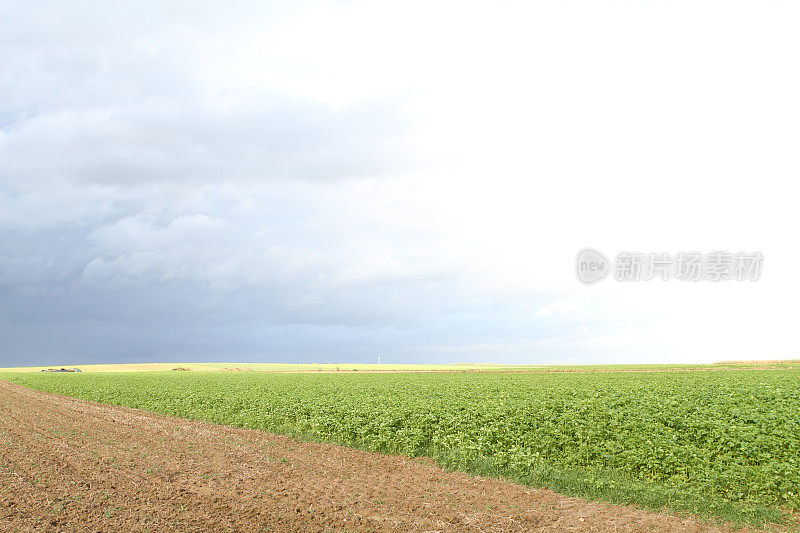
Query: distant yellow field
[(353, 367)]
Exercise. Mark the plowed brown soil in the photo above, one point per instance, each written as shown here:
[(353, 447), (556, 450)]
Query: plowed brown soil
[(72, 465)]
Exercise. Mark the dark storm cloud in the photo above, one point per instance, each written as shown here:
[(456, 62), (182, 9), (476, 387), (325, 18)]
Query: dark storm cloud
[(151, 207)]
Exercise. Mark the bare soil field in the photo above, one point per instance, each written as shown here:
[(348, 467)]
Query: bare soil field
[(72, 465)]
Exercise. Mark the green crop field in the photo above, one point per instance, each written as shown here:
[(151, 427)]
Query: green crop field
[(722, 443)]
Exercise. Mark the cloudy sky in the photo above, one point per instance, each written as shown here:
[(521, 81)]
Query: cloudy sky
[(333, 181)]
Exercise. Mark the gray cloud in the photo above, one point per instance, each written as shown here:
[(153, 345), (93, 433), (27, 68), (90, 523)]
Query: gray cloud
[(122, 94), (144, 213), (193, 144)]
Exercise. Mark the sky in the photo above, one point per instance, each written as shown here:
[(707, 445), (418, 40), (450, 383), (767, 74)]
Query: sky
[(337, 181)]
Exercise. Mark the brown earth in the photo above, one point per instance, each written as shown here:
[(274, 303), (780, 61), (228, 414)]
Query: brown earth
[(72, 465)]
